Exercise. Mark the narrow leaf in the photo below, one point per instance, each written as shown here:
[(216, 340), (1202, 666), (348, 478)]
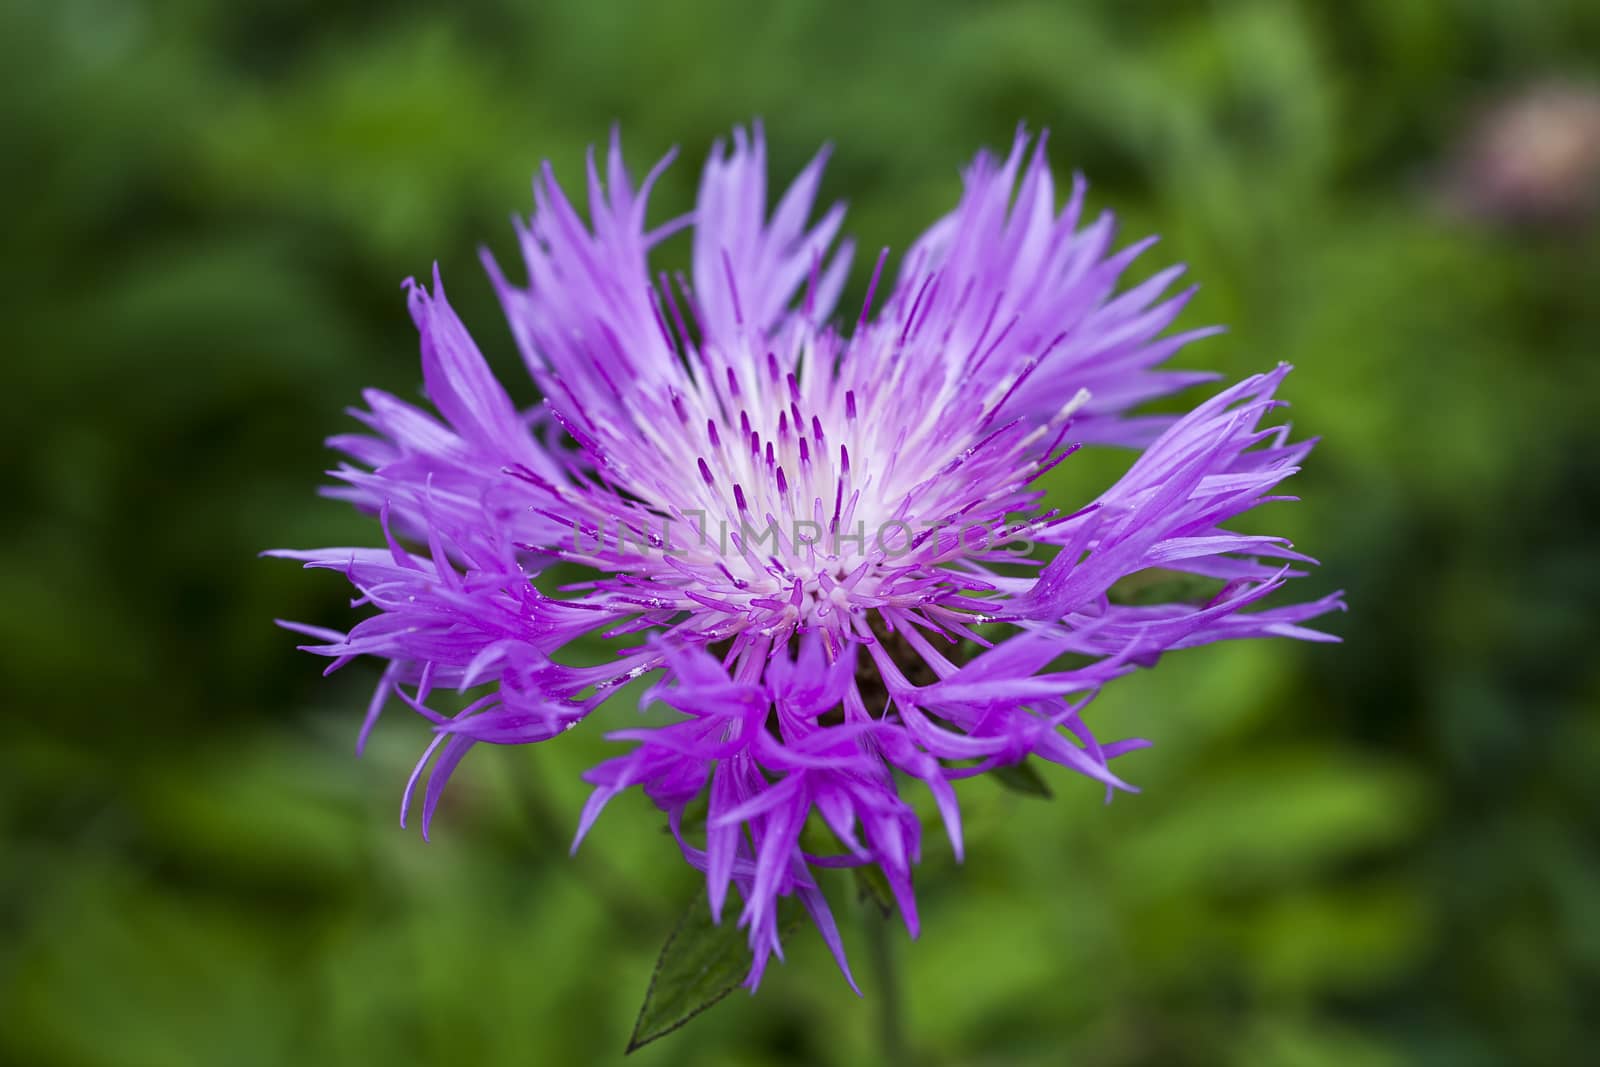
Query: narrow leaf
[(818, 840), (1158, 585), (1021, 777), (873, 886), (701, 963)]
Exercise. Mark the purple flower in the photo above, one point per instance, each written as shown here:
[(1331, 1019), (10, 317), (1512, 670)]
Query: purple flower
[(825, 545)]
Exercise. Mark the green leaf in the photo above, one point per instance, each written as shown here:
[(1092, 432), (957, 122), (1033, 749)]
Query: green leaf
[(817, 839), (1158, 585), (1021, 777), (871, 885), (701, 963)]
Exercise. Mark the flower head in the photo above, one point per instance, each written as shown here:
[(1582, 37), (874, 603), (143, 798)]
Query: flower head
[(826, 545)]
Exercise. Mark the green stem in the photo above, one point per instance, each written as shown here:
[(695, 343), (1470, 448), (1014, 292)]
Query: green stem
[(881, 954)]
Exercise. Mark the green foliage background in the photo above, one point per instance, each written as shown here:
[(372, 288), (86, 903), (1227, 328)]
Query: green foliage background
[(1375, 853)]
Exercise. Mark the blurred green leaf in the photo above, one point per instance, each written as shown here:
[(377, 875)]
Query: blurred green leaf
[(873, 887), (1021, 778), (1161, 586)]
